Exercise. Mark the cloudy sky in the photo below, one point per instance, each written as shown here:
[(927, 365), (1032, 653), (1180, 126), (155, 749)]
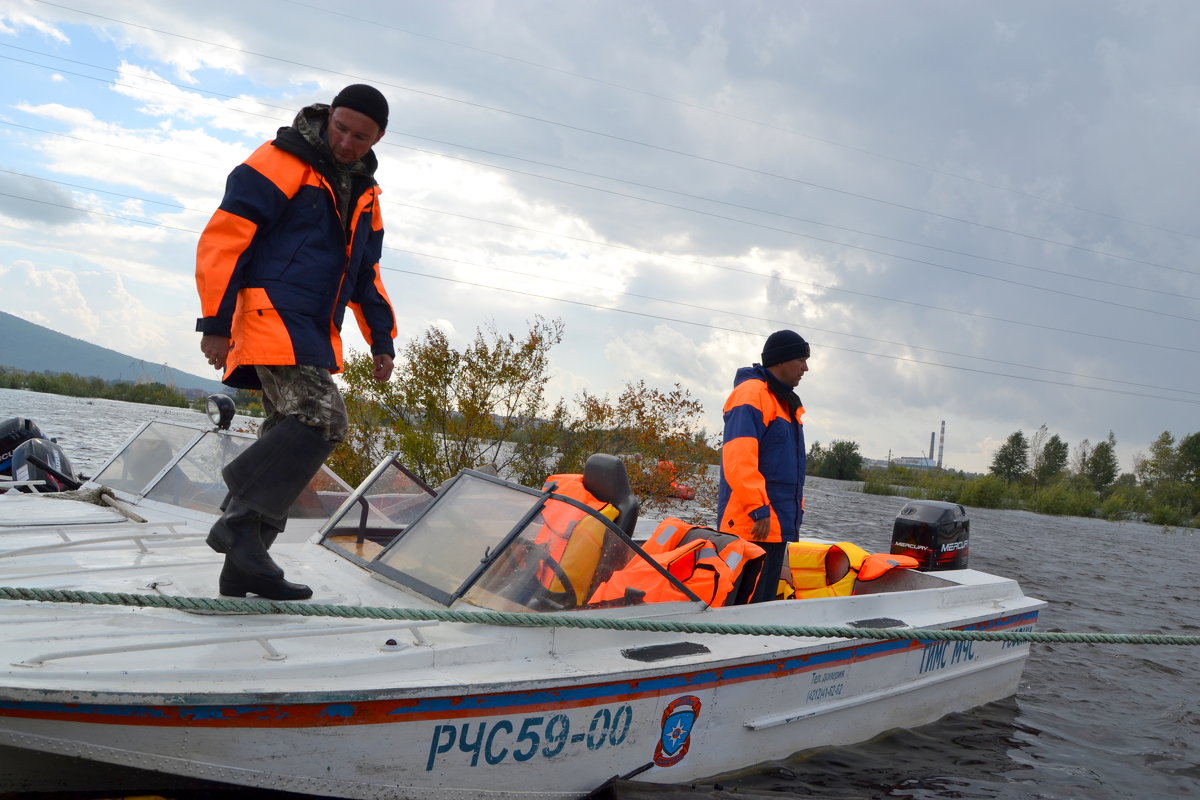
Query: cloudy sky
[(980, 213)]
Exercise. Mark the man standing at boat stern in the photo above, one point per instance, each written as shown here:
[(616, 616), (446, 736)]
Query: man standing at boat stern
[(761, 493), (296, 239)]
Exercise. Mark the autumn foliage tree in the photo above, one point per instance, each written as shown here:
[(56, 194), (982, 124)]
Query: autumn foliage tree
[(485, 407), (654, 431), (446, 410)]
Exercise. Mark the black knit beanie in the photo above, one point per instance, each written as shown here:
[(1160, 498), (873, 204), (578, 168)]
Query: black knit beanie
[(783, 346), (365, 100)]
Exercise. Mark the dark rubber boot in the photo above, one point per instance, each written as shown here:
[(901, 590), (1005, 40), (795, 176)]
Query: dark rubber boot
[(235, 583), (238, 534), (264, 481), (269, 530)]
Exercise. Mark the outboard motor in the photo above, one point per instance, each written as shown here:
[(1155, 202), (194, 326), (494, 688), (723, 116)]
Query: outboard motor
[(14, 431), (934, 533), (43, 460)]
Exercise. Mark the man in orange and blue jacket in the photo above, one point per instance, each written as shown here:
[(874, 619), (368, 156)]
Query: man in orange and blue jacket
[(297, 238), (761, 493)]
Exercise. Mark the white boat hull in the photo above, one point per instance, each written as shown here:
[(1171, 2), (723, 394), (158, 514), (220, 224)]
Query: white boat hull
[(555, 737), (372, 707)]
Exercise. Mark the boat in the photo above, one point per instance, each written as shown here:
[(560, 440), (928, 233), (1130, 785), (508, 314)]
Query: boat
[(448, 650)]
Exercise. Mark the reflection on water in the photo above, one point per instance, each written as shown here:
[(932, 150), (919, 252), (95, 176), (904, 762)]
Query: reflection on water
[(1089, 721)]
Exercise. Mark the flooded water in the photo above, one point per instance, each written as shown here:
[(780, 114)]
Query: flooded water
[(1089, 721)]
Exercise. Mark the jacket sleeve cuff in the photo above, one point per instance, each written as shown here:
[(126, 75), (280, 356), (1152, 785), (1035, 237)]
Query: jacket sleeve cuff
[(213, 326), (762, 512)]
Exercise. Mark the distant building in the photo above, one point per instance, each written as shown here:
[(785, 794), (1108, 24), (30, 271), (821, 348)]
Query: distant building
[(915, 462)]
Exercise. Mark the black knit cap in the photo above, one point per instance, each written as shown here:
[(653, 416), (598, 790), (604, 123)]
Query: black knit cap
[(365, 100), (783, 346)]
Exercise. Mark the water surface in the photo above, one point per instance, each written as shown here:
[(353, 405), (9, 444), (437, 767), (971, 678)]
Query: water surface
[(1094, 722)]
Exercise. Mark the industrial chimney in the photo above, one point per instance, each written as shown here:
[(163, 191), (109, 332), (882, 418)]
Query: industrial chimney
[(941, 444)]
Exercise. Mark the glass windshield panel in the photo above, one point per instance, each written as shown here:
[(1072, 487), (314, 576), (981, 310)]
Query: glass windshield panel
[(324, 494), (496, 544), (147, 455), (440, 552), (564, 558), (196, 482), (384, 508)]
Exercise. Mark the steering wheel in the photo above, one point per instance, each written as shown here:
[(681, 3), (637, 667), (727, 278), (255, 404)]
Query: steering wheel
[(539, 556)]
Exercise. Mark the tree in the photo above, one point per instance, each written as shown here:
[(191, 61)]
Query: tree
[(1052, 462), (1163, 463), (1101, 466), (816, 456), (646, 427), (1037, 445), (1083, 451), (1011, 460), (446, 411), (1189, 458), (842, 461), (485, 407)]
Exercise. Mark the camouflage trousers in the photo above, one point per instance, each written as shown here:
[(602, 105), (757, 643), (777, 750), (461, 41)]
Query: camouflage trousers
[(306, 393)]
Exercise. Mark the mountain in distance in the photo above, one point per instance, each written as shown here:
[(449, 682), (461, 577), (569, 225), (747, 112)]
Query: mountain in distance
[(34, 348)]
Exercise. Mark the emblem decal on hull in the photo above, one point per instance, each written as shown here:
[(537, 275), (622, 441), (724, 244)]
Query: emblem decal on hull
[(678, 718)]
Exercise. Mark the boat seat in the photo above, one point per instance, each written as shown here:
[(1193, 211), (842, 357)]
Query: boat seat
[(604, 476)]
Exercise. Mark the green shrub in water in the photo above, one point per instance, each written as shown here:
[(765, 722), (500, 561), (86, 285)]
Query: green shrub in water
[(1063, 499), (988, 491)]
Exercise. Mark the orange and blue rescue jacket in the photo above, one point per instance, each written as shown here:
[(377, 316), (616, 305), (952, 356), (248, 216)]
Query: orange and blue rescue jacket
[(762, 459), (277, 264)]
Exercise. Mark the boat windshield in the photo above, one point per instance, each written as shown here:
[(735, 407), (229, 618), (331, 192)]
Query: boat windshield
[(492, 543), (147, 455), (181, 466)]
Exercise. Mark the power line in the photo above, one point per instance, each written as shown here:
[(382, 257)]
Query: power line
[(923, 305), (624, 139), (774, 321), (741, 118), (711, 326), (952, 251), (873, 251), (753, 209)]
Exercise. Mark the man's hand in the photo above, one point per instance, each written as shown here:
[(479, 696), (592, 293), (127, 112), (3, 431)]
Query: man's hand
[(383, 368), (215, 349), (761, 529)]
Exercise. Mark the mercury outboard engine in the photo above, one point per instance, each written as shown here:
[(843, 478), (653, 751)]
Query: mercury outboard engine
[(13, 432), (934, 533), (43, 460)]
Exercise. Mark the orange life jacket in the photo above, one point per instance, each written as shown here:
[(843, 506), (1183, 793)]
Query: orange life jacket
[(719, 568), (574, 538), (821, 569)]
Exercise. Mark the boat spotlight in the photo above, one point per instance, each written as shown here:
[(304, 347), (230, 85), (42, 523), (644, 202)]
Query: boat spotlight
[(220, 410)]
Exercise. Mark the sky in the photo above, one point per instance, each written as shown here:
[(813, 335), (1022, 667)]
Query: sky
[(982, 214)]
